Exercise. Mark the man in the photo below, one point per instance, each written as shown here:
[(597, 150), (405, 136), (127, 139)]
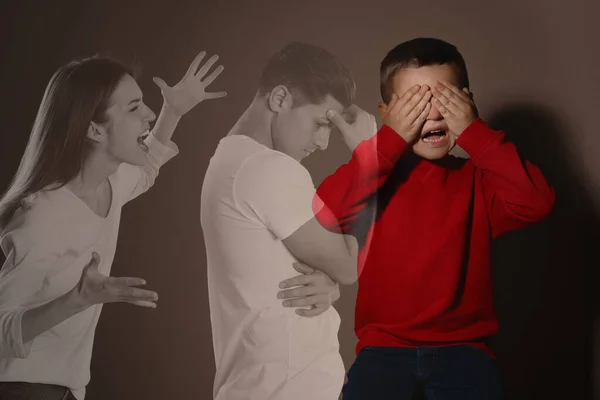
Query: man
[(258, 221)]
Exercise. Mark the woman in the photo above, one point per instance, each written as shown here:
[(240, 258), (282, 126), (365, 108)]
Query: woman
[(89, 153)]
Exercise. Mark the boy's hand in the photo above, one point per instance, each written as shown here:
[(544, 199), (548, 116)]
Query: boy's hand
[(406, 115), (191, 89), (315, 290), (360, 125), (455, 105)]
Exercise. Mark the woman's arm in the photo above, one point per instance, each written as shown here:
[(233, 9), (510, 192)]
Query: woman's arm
[(93, 288), (23, 319), (44, 280), (177, 101), (185, 95)]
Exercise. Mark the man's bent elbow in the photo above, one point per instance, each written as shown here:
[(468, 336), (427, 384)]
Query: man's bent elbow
[(348, 275)]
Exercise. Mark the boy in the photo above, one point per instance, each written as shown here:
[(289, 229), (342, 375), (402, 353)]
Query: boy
[(424, 305)]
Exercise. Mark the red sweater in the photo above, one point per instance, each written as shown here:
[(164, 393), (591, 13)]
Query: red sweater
[(425, 275)]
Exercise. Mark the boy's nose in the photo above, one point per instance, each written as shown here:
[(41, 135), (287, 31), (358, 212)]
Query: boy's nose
[(434, 113)]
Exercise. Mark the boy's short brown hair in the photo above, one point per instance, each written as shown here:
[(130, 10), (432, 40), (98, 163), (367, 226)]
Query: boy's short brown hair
[(419, 52)]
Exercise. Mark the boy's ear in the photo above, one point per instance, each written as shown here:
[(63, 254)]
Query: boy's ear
[(382, 108), (468, 92), (472, 96)]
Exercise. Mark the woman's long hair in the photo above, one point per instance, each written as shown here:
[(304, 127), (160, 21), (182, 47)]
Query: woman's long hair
[(77, 94)]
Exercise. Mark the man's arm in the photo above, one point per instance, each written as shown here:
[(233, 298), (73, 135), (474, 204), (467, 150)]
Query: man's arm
[(331, 253), (276, 191), (313, 289)]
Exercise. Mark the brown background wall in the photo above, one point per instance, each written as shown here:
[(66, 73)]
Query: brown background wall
[(532, 71)]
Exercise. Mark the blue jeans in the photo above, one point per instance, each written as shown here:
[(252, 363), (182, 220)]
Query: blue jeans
[(439, 373)]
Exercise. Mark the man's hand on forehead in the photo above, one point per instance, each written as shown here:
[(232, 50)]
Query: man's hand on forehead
[(354, 124), (349, 116)]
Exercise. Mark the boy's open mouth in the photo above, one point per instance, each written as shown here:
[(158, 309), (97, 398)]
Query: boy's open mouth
[(434, 136)]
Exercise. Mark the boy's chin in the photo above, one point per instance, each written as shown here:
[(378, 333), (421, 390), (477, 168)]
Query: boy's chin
[(431, 153)]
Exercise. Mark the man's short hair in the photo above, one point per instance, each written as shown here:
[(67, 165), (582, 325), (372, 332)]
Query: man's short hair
[(310, 73)]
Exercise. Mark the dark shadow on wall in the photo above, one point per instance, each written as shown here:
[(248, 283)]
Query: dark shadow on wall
[(544, 344)]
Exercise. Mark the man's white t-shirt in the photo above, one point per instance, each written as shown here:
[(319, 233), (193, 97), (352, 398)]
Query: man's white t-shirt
[(253, 198)]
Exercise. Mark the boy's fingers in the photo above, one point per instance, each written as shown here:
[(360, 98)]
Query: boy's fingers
[(454, 93), (415, 100), (443, 95), (441, 108), (417, 110), (393, 101), (420, 119), (453, 104), (465, 96), (401, 101)]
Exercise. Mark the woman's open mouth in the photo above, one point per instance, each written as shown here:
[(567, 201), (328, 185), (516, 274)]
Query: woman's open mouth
[(141, 142)]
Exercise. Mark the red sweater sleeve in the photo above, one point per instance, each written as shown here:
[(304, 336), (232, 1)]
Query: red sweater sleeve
[(346, 192), (515, 190)]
